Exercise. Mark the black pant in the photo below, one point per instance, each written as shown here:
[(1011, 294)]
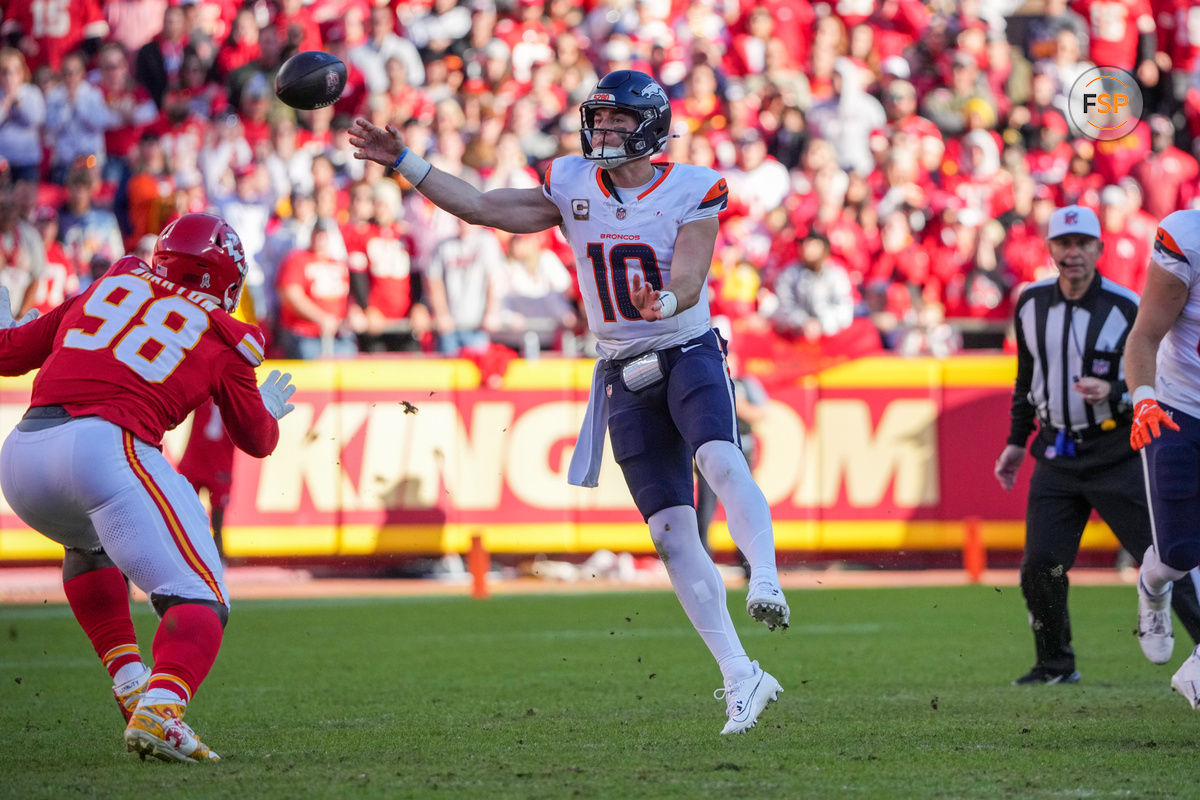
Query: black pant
[(1060, 502)]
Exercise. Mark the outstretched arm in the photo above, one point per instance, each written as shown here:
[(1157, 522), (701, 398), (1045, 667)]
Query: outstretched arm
[(513, 210)]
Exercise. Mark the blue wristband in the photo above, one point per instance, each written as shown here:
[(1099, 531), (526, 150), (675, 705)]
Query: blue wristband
[(403, 153)]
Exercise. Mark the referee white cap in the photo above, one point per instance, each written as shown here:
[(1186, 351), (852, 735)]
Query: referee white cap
[(1074, 219)]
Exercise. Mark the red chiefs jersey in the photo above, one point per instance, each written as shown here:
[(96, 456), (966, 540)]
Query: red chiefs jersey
[(1113, 28), (142, 352), (1179, 32), (389, 265), (58, 280), (56, 26), (326, 281)]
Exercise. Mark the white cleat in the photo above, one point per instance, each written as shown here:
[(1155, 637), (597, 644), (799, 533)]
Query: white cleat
[(1186, 679), (765, 603), (1154, 624), (747, 698)]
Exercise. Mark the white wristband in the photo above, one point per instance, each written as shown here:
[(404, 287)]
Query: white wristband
[(667, 304), (412, 167), (1143, 392)]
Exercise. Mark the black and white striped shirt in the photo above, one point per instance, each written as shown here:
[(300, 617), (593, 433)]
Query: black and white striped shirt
[(1060, 341)]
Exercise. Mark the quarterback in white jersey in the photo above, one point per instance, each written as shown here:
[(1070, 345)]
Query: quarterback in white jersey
[(617, 233), (1163, 367), (643, 236)]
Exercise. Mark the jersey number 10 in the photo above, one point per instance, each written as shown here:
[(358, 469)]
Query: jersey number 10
[(618, 262)]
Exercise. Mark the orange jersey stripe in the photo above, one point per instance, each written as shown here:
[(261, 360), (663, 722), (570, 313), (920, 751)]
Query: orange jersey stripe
[(1167, 242), (168, 514), (600, 183), (719, 188), (661, 178)]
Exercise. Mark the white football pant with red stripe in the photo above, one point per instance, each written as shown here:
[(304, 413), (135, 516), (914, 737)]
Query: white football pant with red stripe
[(88, 483)]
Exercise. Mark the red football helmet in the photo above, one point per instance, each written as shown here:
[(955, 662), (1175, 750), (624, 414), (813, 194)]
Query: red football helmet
[(202, 252)]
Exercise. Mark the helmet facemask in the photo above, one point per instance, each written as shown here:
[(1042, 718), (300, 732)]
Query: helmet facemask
[(638, 143)]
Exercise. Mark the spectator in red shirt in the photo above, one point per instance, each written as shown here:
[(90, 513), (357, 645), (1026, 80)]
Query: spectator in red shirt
[(1126, 255), (1024, 252), (297, 26), (748, 54), (403, 100), (1050, 156), (241, 48), (1114, 158), (395, 290), (45, 35), (1081, 185), (1122, 35), (58, 280), (316, 317), (1167, 174), (353, 100), (900, 105), (897, 24), (253, 106)]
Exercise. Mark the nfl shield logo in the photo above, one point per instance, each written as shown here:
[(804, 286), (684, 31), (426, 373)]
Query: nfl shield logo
[(608, 390), (620, 213), (1071, 218), (1100, 368)]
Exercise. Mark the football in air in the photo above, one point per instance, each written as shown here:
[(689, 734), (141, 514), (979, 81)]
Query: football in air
[(312, 79)]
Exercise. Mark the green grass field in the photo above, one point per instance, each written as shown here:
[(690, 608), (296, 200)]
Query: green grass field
[(890, 693)]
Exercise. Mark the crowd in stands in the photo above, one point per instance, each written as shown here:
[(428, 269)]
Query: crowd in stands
[(892, 164)]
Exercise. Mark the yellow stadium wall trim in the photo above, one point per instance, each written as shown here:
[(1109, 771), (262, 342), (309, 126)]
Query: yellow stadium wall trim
[(414, 456)]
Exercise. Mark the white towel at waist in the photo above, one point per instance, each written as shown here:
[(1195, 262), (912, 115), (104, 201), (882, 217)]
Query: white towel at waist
[(589, 446)]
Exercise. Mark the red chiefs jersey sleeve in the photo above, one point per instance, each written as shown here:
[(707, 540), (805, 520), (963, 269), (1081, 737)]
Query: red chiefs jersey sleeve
[(142, 352)]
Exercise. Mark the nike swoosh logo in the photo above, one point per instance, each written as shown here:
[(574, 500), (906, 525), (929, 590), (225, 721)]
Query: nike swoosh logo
[(685, 349)]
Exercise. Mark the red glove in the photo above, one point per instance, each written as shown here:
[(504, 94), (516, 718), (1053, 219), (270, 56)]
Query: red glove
[(1148, 420)]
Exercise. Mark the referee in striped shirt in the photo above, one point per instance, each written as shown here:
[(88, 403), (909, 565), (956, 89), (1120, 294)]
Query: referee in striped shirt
[(1070, 378)]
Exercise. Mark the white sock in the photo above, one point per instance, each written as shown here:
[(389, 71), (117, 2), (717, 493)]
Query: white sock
[(699, 587), (724, 467), (160, 696), (128, 672), (1155, 575)]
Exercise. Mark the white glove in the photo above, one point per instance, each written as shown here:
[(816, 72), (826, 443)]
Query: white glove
[(6, 317), (275, 391)]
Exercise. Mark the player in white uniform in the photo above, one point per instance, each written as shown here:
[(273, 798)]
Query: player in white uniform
[(1162, 365), (643, 236)]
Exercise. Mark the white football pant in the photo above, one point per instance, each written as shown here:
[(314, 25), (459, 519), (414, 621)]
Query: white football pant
[(88, 483)]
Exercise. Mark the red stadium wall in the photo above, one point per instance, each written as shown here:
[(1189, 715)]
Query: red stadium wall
[(394, 458)]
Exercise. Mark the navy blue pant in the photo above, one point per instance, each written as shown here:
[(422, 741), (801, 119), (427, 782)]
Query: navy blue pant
[(1172, 463), (655, 431)]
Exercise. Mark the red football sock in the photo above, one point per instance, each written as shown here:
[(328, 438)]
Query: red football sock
[(100, 601), (185, 647)]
